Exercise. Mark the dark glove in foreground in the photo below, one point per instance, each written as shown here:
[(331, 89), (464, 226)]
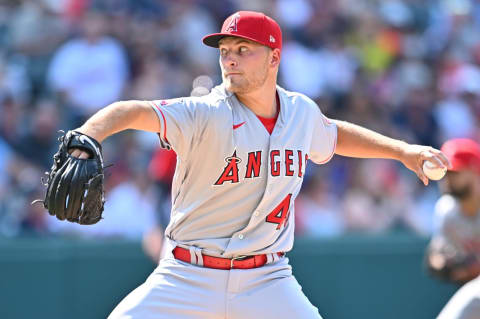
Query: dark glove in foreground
[(75, 186)]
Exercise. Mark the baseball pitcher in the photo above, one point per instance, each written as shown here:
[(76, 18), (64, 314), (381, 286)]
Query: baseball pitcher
[(242, 152)]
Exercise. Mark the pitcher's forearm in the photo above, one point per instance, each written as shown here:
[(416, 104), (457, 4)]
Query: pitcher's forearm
[(357, 141), (120, 116)]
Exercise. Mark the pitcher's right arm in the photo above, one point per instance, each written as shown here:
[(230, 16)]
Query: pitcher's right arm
[(117, 117)]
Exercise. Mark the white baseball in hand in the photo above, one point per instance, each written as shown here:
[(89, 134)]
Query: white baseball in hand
[(433, 172)]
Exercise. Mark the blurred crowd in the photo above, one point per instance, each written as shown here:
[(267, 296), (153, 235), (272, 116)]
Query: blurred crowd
[(408, 69)]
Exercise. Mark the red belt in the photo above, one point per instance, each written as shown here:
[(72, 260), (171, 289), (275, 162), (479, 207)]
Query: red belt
[(224, 263)]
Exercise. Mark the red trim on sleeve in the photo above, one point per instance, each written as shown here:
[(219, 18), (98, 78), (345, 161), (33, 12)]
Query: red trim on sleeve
[(164, 122), (333, 151)]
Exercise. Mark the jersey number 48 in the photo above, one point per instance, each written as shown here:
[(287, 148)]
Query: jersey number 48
[(280, 214)]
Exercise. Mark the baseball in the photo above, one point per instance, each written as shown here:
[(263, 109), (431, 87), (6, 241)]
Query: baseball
[(433, 173)]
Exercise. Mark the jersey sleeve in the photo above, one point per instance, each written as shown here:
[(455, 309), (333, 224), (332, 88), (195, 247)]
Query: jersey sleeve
[(324, 139), (179, 119)]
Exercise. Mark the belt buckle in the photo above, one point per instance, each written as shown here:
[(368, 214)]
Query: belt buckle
[(237, 258)]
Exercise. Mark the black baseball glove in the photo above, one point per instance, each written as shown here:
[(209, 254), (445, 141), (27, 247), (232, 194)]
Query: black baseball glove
[(75, 186)]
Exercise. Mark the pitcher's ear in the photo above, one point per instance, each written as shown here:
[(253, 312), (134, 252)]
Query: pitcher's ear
[(275, 57)]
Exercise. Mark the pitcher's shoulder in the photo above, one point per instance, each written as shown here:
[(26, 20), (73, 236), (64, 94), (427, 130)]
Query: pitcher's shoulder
[(218, 99), (209, 103), (297, 100)]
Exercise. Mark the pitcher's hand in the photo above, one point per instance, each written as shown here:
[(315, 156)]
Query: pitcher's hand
[(413, 157)]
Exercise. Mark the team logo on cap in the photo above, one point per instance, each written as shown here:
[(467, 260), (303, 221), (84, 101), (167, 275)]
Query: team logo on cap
[(272, 39), (232, 26)]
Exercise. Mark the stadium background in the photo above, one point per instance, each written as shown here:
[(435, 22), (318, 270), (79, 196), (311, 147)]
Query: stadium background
[(408, 69)]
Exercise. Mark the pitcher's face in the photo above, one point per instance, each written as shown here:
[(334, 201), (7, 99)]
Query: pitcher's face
[(244, 64)]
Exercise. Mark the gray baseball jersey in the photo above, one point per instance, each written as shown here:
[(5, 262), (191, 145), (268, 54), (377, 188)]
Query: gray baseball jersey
[(232, 195), (235, 184), (464, 233)]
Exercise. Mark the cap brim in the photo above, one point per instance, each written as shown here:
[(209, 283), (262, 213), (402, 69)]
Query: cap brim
[(212, 39)]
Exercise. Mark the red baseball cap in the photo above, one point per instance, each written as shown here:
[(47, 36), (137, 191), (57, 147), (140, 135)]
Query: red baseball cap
[(250, 25), (463, 153)]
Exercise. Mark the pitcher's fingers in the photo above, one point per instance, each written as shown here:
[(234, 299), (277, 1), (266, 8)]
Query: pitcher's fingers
[(79, 154), (75, 152), (435, 159), (444, 159), (421, 175), (84, 155)]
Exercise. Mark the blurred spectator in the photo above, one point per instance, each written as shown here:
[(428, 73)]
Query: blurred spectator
[(317, 210), (379, 200), (130, 211), (16, 213), (35, 32), (14, 81), (457, 114), (305, 62), (91, 71), (199, 22), (12, 121), (39, 141), (453, 254)]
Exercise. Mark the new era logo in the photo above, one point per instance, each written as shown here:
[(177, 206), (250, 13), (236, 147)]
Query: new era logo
[(272, 39)]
